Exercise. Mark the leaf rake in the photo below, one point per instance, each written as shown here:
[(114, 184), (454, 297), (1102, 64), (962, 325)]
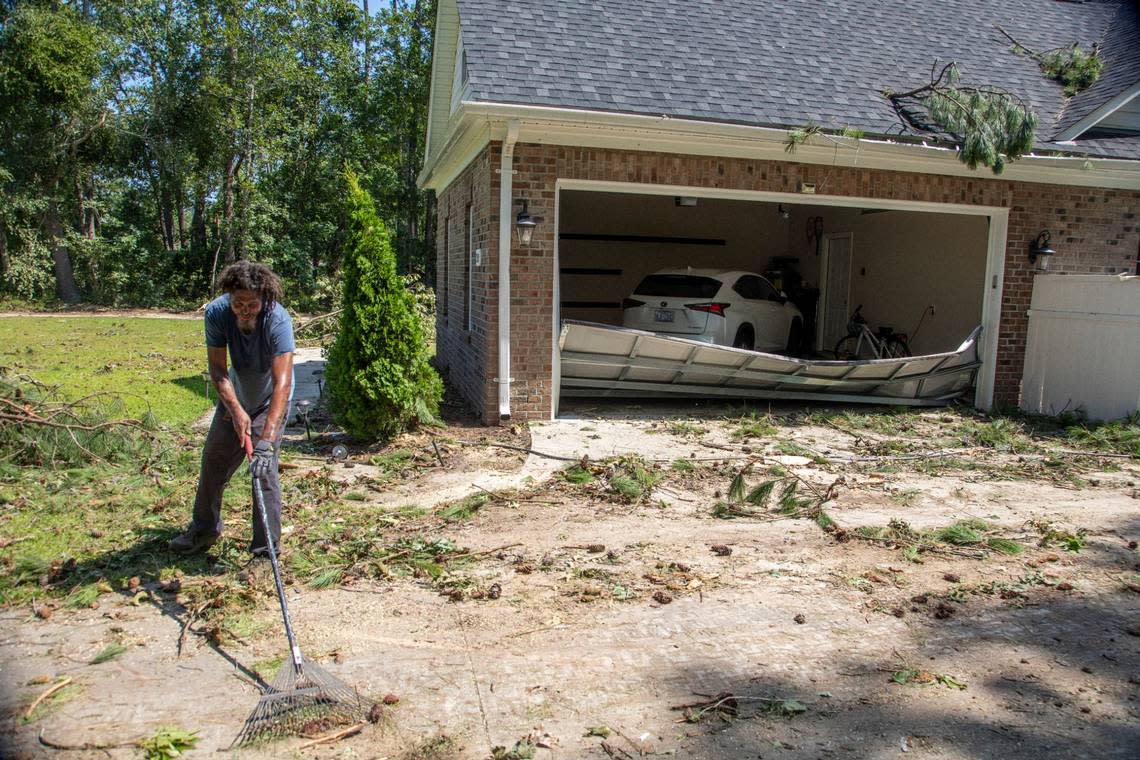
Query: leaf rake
[(304, 697)]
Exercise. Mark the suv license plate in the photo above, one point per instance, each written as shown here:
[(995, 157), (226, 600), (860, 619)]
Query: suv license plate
[(663, 315)]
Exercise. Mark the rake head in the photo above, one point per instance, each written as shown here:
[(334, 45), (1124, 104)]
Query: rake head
[(310, 702)]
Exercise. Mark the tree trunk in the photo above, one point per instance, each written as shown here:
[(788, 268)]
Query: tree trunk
[(85, 226), (152, 173), (198, 251), (367, 48), (61, 259), (86, 214), (4, 265), (166, 213), (246, 189), (228, 210), (228, 247), (179, 198)]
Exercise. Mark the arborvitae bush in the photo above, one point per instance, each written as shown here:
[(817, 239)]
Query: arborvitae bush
[(379, 378)]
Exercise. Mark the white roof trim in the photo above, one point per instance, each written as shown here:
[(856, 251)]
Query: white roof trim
[(661, 134), (1099, 115), (442, 75)]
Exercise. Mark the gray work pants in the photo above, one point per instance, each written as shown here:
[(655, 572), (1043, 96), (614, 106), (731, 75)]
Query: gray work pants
[(221, 457)]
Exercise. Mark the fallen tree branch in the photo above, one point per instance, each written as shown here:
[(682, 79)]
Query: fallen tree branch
[(39, 700), (314, 320), (32, 419), (329, 738), (191, 616), (86, 746), (613, 751), (480, 553), (520, 448)]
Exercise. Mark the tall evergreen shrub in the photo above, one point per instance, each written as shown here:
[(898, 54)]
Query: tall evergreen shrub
[(379, 378)]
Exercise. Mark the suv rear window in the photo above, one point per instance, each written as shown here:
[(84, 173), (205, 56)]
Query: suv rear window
[(678, 286)]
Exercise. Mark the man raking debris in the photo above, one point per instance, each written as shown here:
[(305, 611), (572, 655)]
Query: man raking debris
[(248, 326), (248, 323)]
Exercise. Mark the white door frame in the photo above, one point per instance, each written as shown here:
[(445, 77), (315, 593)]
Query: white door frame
[(995, 255), (824, 289)]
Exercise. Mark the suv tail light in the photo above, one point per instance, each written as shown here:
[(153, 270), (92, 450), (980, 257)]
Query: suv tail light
[(711, 308), (631, 303)]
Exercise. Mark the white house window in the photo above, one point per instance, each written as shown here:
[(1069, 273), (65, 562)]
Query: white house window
[(444, 284), (468, 274)]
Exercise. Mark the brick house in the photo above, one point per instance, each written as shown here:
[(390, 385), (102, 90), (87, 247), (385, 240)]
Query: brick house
[(646, 135)]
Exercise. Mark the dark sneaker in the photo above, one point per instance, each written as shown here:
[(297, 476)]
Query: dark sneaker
[(193, 541)]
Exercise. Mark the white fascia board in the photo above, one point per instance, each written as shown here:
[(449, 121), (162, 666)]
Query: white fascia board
[(1099, 115), (442, 74), (468, 138), (661, 134)]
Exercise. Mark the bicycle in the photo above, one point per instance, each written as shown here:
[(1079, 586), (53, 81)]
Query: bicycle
[(861, 342)]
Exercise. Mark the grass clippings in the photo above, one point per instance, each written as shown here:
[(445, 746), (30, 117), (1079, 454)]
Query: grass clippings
[(465, 508), (907, 675), (752, 425), (631, 479), (438, 747), (728, 707), (167, 743), (578, 475), (108, 653), (969, 534), (523, 749)]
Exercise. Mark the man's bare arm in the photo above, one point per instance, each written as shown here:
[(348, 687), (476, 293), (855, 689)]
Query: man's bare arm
[(282, 389), (220, 377)]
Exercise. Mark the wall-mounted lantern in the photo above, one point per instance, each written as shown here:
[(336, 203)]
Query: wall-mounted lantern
[(1040, 251), (524, 225)]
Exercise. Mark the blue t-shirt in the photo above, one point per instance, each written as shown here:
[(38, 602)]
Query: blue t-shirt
[(251, 356)]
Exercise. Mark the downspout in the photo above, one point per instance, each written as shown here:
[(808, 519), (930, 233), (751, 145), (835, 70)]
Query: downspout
[(506, 182)]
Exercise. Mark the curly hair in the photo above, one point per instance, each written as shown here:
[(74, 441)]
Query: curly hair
[(249, 275)]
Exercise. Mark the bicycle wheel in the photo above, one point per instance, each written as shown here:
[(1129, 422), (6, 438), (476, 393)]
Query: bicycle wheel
[(896, 347), (849, 347)]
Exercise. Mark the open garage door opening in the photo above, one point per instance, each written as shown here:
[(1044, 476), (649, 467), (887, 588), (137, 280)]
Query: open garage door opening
[(800, 265)]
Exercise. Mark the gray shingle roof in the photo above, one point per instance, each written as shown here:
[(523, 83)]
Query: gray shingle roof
[(1120, 50), (777, 63)]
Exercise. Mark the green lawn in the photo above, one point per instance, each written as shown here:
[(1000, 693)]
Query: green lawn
[(155, 364), (71, 532)]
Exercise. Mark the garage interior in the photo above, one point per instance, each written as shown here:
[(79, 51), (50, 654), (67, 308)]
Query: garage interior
[(907, 268)]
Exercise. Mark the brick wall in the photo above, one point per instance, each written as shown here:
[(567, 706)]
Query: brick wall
[(467, 356), (1094, 231)]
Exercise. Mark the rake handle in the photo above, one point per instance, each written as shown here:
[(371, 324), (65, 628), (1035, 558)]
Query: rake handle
[(259, 501)]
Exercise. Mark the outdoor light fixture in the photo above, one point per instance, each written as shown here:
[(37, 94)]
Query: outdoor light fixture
[(784, 213), (1040, 251), (524, 225)]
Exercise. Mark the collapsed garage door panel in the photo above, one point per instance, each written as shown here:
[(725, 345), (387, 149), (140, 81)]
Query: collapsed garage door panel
[(606, 360)]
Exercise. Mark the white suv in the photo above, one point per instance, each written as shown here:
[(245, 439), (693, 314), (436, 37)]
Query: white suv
[(725, 308)]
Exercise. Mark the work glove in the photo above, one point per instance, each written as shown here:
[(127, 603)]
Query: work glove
[(262, 462)]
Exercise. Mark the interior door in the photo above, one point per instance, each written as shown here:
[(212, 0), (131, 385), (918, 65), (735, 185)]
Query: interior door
[(835, 285)]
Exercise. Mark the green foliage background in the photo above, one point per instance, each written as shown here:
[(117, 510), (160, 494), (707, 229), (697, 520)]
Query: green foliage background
[(146, 144), (379, 377)]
